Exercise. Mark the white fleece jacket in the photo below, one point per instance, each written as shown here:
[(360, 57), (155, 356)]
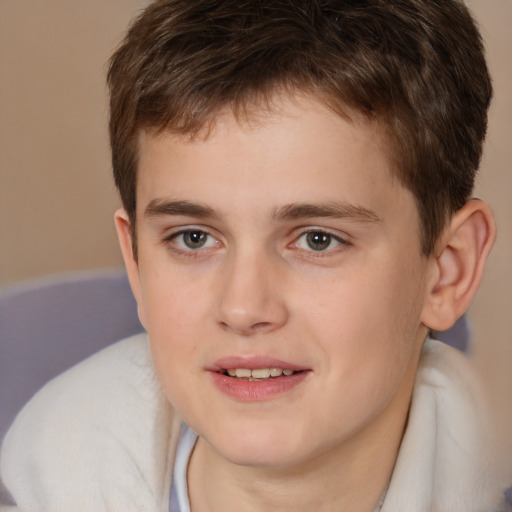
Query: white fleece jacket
[(102, 438)]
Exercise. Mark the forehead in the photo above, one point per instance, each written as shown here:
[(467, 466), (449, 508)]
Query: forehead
[(298, 150)]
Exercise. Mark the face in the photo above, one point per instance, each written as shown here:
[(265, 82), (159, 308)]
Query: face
[(281, 282)]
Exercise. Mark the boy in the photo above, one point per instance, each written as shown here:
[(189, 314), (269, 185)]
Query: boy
[(296, 181)]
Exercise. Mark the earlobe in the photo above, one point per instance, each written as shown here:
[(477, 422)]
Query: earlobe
[(124, 234), (458, 264)]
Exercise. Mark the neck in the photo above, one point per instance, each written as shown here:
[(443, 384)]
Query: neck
[(320, 487)]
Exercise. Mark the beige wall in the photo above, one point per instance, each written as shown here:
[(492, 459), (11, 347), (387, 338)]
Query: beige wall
[(492, 309), (57, 197)]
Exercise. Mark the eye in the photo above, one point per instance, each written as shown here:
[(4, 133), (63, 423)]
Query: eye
[(319, 241), (193, 239)]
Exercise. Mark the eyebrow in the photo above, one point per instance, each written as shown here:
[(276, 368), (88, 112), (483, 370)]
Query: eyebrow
[(332, 209), (159, 207)]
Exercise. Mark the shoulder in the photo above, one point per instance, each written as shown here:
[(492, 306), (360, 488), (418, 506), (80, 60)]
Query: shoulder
[(102, 387), (90, 434), (445, 457), (442, 364)]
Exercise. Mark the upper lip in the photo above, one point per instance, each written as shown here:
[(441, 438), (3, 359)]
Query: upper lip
[(253, 363)]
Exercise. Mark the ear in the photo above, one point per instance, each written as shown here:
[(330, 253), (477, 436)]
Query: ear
[(457, 265), (125, 236)]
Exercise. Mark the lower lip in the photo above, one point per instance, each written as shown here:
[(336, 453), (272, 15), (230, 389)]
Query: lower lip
[(256, 391)]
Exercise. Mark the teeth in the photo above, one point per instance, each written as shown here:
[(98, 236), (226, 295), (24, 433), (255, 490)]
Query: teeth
[(264, 373), (259, 373)]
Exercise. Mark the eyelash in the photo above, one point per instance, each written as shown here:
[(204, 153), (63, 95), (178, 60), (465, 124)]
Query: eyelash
[(170, 242), (341, 243)]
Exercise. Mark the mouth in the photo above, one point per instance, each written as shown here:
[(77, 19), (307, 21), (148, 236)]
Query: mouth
[(256, 379), (257, 374)]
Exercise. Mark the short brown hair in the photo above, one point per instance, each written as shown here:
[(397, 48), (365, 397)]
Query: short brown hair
[(416, 66)]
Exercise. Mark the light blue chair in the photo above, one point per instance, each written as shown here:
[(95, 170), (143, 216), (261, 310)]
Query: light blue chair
[(47, 325), (459, 336)]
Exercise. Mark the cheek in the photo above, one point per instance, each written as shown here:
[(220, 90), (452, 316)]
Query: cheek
[(370, 341), (171, 298), (370, 319), (175, 353), (172, 312)]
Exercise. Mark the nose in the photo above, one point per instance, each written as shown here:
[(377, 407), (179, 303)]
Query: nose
[(251, 298)]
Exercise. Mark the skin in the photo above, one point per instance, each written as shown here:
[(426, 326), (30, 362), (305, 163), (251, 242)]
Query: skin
[(351, 313)]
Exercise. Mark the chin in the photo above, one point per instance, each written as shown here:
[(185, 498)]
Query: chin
[(258, 448), (261, 458)]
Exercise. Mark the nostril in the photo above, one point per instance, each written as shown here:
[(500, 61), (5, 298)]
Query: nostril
[(259, 326), (246, 329)]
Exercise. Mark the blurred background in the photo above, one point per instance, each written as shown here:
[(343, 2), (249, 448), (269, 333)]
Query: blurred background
[(57, 197)]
